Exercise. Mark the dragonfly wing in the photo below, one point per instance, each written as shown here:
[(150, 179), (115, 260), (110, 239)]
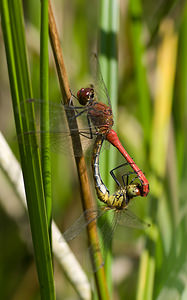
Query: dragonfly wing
[(60, 142), (81, 223), (126, 218), (99, 84), (59, 131), (57, 114), (107, 230), (129, 219)]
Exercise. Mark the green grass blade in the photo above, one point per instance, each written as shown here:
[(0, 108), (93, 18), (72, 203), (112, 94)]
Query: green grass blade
[(145, 270), (10, 170), (145, 279), (166, 64), (44, 86), (140, 68), (13, 32), (181, 93), (108, 61)]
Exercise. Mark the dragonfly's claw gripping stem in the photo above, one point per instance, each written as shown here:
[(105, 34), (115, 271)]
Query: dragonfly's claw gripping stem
[(71, 99)]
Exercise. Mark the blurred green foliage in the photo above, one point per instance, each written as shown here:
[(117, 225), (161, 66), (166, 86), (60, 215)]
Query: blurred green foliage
[(152, 52)]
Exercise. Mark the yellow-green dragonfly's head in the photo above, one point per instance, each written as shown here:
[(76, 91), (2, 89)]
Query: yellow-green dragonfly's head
[(133, 190)]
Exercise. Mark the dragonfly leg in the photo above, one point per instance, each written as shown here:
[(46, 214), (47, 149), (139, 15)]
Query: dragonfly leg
[(85, 134), (120, 166), (78, 113), (125, 182), (127, 175), (88, 135), (72, 96), (90, 126), (134, 179), (114, 177), (70, 101), (77, 107)]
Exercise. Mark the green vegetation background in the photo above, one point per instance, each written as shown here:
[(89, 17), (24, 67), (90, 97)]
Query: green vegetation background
[(150, 117)]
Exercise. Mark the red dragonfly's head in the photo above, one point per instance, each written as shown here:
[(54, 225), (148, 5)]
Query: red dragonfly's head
[(85, 95)]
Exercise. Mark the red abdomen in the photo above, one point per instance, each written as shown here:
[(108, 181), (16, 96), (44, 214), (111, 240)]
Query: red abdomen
[(112, 137)]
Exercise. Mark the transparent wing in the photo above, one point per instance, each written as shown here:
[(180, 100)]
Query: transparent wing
[(107, 230), (57, 111), (61, 142), (58, 120), (124, 218), (59, 131), (81, 223), (129, 219), (98, 81)]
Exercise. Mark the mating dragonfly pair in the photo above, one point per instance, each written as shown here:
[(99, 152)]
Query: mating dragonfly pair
[(134, 183), (100, 122), (101, 117)]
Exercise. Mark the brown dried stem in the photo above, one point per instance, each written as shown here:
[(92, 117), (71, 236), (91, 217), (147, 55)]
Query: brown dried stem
[(86, 196)]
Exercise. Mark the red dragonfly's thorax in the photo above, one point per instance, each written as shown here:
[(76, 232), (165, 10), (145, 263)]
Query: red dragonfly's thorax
[(101, 117)]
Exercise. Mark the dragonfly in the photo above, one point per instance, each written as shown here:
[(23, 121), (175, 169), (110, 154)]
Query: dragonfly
[(102, 119), (100, 115), (99, 118), (115, 204)]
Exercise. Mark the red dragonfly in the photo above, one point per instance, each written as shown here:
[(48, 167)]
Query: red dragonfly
[(100, 121)]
